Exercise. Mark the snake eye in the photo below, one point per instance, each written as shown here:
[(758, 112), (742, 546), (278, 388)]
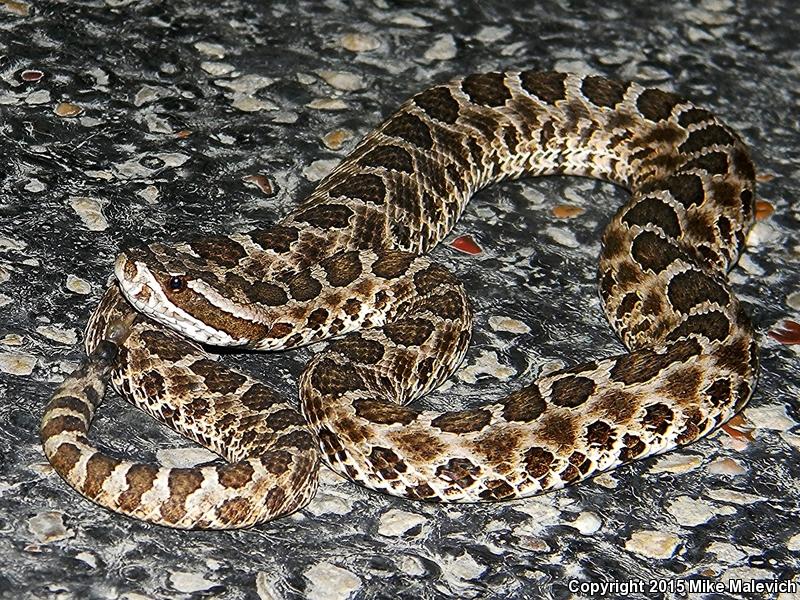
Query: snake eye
[(177, 283)]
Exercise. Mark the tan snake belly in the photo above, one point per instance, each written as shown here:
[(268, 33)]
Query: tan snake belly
[(350, 260)]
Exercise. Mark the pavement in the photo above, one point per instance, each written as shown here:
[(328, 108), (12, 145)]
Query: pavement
[(160, 120)]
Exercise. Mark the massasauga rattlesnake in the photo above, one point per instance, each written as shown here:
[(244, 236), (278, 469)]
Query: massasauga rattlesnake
[(351, 259)]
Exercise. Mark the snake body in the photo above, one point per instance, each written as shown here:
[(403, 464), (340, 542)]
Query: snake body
[(350, 259)]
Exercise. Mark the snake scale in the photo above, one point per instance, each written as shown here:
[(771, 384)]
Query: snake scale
[(350, 259)]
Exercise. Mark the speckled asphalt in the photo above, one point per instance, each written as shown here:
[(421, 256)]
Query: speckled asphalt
[(157, 120)]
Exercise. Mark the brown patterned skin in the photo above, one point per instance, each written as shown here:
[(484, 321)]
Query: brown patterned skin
[(350, 258)]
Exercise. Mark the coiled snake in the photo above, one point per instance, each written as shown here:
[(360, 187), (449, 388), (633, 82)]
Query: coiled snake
[(351, 258)]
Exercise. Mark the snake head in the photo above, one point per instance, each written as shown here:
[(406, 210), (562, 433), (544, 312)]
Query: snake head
[(189, 292)]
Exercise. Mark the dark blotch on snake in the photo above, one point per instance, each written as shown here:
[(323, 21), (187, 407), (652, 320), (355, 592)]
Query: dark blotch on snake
[(690, 288), (438, 102), (463, 421), (654, 211), (524, 405), (547, 86), (706, 137), (327, 216), (644, 365), (657, 105), (411, 129), (487, 89), (367, 187), (409, 331), (390, 157), (358, 349), (278, 238), (654, 252), (384, 413), (658, 417), (572, 391), (342, 268), (713, 325), (304, 287), (603, 92)]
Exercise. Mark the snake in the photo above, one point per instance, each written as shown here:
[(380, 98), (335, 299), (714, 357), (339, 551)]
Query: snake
[(350, 263)]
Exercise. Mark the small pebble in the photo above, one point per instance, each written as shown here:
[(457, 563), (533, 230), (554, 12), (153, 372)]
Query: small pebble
[(329, 582), (411, 565), (12, 339), (359, 42), (217, 69), (38, 97), (336, 138), (209, 49), (64, 336), (189, 583), (734, 497), (319, 169), (587, 523), (185, 457), (20, 9), (726, 553), (105, 175), (747, 263), (327, 104), (260, 182), (490, 34), (466, 244), (31, 75), (150, 194), (342, 80), (329, 504), (409, 20), (285, 117), (252, 104), (78, 285), (48, 527), (90, 211), (498, 323), (763, 209), (567, 211), (35, 186), (17, 363), (691, 513), (725, 466), (460, 570), (771, 417), (246, 84), (157, 125), (146, 94), (87, 557), (676, 463), (67, 110), (305, 78), (794, 543), (394, 523), (793, 300), (562, 237), (653, 544), (443, 49), (486, 364), (7, 243)]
